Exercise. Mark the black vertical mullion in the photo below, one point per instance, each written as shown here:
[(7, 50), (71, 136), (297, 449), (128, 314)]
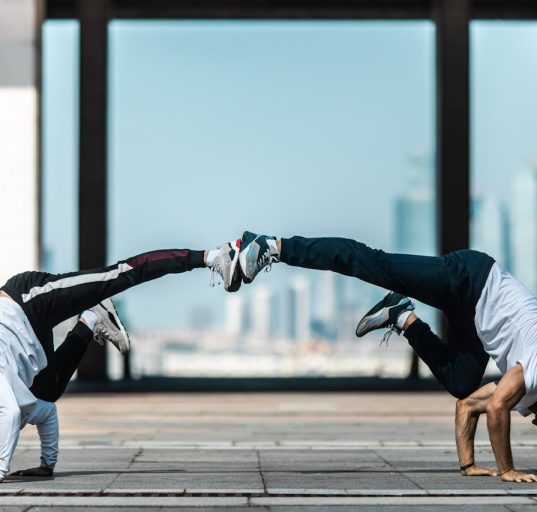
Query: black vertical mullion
[(453, 127), (452, 19), (453, 147), (92, 223)]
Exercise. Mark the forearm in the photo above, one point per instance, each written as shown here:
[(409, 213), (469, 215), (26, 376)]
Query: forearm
[(49, 444), (465, 427), (467, 414), (510, 390), (44, 416), (49, 448), (499, 427)]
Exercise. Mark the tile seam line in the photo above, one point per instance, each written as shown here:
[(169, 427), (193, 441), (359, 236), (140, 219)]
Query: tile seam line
[(134, 457), (376, 452), (258, 456)]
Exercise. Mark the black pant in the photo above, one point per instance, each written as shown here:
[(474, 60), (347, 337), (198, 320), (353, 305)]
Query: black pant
[(49, 299), (451, 283), (50, 383)]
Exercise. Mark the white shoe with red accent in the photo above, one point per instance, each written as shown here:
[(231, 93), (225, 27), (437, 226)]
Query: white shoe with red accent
[(225, 263), (109, 326)]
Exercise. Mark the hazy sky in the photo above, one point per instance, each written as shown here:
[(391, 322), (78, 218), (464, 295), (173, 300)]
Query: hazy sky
[(285, 127)]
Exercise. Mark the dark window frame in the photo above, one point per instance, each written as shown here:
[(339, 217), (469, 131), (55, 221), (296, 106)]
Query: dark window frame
[(452, 18)]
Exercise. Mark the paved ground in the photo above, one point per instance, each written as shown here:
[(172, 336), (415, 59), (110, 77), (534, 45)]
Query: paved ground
[(277, 452)]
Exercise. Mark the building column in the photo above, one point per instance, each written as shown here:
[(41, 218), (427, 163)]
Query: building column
[(452, 132), (19, 123), (93, 16), (453, 121)]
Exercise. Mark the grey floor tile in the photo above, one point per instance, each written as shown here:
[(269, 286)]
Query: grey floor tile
[(192, 482), (390, 508), (144, 509), (336, 480), (194, 467), (185, 456)]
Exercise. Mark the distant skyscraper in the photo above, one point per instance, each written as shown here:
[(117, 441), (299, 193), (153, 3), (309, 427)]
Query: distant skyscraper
[(415, 222), (524, 227), (262, 313), (328, 304), (299, 315), (490, 229), (235, 314)]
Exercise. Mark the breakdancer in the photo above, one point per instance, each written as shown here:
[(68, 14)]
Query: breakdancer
[(489, 314)]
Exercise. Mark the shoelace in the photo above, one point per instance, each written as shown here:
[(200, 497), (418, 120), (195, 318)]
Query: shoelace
[(100, 334), (388, 334), (216, 278), (216, 274), (266, 260), (103, 334)]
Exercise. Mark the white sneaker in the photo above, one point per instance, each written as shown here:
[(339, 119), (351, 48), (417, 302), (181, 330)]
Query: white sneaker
[(109, 326), (225, 264)]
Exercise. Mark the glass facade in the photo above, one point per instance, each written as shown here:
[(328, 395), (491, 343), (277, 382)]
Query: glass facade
[(503, 206), (313, 128), (59, 143), (504, 153)]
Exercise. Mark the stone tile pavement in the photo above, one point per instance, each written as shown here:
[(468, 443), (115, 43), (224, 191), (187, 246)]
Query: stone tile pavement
[(274, 452)]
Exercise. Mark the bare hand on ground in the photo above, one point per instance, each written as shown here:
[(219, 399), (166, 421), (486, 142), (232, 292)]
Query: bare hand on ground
[(517, 476)]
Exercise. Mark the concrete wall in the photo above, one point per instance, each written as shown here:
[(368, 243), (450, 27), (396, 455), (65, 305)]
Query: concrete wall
[(18, 136)]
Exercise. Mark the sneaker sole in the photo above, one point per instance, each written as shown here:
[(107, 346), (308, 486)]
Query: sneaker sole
[(243, 259), (372, 322), (233, 268), (248, 237), (124, 344), (375, 321)]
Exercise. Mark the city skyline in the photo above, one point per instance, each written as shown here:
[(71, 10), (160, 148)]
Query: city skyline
[(347, 160)]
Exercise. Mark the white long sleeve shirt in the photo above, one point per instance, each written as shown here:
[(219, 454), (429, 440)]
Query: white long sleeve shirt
[(45, 418), (21, 359), (13, 420)]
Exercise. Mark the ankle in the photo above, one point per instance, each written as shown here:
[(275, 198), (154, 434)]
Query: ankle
[(274, 248), (409, 321), (89, 318), (210, 257)]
